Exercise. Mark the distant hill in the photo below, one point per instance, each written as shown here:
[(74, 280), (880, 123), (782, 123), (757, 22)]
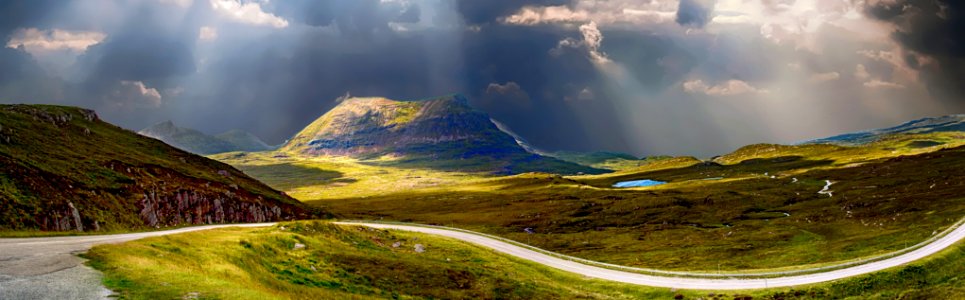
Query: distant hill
[(199, 143), (62, 168), (924, 125), (244, 141), (442, 133)]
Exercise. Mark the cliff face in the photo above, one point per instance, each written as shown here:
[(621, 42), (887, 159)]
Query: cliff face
[(442, 132), (61, 168)]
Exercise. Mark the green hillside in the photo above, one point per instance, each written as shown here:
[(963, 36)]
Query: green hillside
[(757, 208), (61, 168), (340, 262), (442, 133)]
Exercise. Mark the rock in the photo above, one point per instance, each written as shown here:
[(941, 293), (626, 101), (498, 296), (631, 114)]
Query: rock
[(224, 173), (298, 246), (76, 214), (419, 248), (396, 244)]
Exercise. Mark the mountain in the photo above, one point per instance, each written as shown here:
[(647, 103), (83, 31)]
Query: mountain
[(197, 142), (62, 168), (924, 125), (244, 141), (443, 133)]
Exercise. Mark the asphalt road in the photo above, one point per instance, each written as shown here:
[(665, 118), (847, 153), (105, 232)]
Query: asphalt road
[(48, 268), (680, 282)]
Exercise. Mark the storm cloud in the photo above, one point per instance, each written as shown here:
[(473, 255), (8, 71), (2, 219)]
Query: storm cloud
[(694, 13), (931, 32), (644, 77)]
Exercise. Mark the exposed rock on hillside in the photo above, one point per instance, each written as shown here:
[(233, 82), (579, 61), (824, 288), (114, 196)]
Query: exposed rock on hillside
[(64, 169)]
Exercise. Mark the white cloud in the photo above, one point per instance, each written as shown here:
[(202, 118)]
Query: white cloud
[(591, 42), (876, 83), (33, 39), (822, 77), (531, 15), (732, 19), (601, 12), (728, 88), (861, 73), (249, 12), (208, 33), (799, 23), (137, 91), (592, 38)]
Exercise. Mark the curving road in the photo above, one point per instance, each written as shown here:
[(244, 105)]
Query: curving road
[(47, 268), (680, 282)]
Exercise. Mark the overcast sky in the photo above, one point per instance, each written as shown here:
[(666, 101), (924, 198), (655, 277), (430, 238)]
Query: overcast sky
[(690, 77)]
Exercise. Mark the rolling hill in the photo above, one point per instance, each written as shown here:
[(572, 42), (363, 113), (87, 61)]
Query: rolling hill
[(199, 143), (925, 125), (62, 168), (440, 133)]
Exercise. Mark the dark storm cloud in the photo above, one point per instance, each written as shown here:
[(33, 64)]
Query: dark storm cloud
[(14, 14), (932, 29), (280, 64), (694, 13), (352, 17)]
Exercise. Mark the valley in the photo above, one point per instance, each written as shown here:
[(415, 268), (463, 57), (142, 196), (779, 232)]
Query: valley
[(763, 212), (762, 208)]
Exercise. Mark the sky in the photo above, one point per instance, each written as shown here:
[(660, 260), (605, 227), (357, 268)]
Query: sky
[(688, 77)]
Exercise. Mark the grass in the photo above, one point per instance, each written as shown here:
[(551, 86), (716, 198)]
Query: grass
[(344, 177), (361, 263), (763, 214), (336, 262)]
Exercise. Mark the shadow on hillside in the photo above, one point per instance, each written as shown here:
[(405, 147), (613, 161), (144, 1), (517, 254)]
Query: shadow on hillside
[(709, 169), (285, 176)]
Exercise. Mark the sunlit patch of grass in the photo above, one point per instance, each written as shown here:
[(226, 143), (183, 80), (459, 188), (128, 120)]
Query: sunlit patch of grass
[(765, 213), (336, 262), (339, 262)]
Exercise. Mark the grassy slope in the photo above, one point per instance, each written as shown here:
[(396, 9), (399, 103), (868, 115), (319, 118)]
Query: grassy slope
[(441, 133), (337, 262), (747, 220), (58, 154), (346, 262)]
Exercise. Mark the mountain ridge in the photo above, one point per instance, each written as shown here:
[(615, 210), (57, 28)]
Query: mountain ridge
[(197, 142), (954, 122), (426, 132)]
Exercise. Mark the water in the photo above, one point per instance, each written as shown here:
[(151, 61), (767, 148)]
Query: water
[(638, 183)]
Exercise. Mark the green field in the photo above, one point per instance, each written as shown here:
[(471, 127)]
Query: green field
[(361, 263), (763, 212)]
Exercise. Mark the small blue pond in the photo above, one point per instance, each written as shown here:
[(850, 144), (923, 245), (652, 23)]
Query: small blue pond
[(637, 183)]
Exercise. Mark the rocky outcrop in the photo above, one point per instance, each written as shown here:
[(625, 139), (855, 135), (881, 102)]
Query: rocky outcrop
[(64, 169), (187, 207)]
